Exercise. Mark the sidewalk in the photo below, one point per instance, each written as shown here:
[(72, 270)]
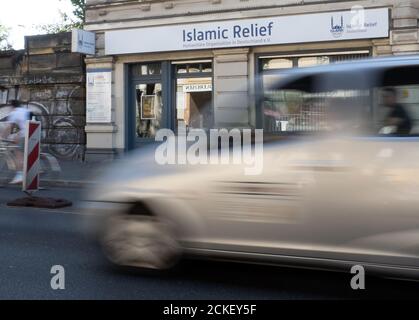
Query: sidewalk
[(76, 174)]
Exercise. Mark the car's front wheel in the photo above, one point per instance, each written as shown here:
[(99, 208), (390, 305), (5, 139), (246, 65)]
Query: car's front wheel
[(146, 242)]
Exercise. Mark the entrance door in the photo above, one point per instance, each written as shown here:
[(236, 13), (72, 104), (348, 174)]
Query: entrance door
[(148, 111)]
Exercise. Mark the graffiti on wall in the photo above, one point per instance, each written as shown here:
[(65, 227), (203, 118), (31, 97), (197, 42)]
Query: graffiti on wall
[(60, 108)]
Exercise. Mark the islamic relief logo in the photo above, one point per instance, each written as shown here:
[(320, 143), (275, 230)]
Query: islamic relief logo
[(337, 28)]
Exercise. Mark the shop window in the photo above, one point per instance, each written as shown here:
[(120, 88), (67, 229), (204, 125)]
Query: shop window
[(282, 63), (312, 61), (269, 64), (291, 111), (182, 68), (346, 57), (143, 70), (192, 68), (194, 102), (302, 106), (207, 67), (193, 98), (154, 69), (194, 95), (195, 68)]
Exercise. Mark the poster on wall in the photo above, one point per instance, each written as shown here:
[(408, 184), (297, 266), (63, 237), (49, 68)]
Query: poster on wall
[(148, 110), (99, 97)]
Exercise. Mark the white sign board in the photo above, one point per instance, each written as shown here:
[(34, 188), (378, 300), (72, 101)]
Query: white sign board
[(315, 27), (99, 96), (197, 87), (83, 42)]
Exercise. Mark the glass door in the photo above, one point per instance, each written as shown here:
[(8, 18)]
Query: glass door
[(148, 111)]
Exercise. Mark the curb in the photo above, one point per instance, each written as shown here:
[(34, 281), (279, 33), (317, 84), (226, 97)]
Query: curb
[(58, 184), (67, 183)]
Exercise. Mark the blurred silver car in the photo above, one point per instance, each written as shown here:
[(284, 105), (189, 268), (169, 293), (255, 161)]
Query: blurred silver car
[(344, 192)]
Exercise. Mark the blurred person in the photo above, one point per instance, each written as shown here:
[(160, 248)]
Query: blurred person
[(17, 119), (398, 118)]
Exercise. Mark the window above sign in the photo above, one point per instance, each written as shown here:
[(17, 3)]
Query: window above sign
[(193, 68), (309, 60), (146, 69)]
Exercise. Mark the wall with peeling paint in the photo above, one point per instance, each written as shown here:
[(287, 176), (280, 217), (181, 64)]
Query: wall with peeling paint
[(50, 81)]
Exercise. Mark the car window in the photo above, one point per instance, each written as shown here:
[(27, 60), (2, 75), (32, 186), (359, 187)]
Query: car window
[(291, 111), (318, 103), (359, 102), (396, 102)]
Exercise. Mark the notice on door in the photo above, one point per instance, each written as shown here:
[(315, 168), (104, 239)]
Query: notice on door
[(148, 108), (99, 97)]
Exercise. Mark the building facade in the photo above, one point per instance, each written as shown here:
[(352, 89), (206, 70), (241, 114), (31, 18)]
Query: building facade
[(197, 63), (48, 79)]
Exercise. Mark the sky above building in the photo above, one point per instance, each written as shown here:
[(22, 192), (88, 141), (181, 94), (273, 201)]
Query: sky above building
[(22, 16)]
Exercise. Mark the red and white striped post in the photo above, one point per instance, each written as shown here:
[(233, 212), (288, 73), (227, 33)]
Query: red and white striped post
[(31, 163), (31, 172)]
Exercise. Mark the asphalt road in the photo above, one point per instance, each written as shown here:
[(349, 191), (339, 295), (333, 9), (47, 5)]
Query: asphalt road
[(34, 240)]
